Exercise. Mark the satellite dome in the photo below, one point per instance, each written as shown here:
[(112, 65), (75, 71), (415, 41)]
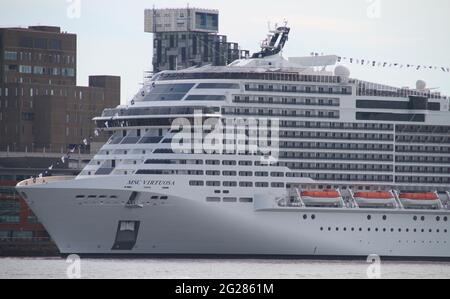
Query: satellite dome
[(342, 71), (421, 85)]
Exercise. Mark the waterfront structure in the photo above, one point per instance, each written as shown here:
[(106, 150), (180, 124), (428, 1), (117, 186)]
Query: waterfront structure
[(187, 37), (21, 234), (264, 157)]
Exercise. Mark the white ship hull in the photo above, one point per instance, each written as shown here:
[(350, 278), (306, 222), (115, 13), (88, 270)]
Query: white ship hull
[(187, 225)]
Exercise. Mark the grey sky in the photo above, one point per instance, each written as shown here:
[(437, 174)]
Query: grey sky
[(111, 38)]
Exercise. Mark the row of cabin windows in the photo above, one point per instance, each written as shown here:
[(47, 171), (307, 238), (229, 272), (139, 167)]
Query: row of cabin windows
[(288, 101), (209, 172), (422, 169), (422, 139), (392, 230), (384, 217), (299, 88), (268, 76), (201, 162), (328, 145), (341, 177), (337, 125), (422, 179), (335, 135), (369, 178), (236, 184), (424, 159), (281, 112), (422, 129), (344, 167), (422, 149), (337, 156), (230, 199), (301, 155)]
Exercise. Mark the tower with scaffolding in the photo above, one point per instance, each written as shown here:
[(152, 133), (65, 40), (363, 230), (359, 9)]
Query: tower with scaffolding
[(187, 37)]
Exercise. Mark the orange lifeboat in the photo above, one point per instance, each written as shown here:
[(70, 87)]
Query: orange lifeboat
[(379, 198), (321, 197), (430, 199)]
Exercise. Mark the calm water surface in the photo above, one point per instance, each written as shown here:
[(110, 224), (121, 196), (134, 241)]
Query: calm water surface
[(218, 269)]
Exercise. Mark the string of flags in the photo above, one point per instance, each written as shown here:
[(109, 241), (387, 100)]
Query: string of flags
[(66, 157), (384, 64)]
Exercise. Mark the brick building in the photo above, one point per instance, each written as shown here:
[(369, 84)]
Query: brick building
[(41, 106)]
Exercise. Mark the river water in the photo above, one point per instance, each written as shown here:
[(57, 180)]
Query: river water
[(218, 269)]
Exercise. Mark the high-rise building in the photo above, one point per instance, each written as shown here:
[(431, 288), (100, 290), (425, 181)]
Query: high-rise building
[(186, 37), (41, 106)]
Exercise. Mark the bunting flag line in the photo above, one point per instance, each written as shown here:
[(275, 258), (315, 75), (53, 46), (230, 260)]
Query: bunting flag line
[(384, 64), (66, 157)]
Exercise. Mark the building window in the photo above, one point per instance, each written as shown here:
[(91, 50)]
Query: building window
[(68, 72), (39, 70), (25, 69), (10, 55)]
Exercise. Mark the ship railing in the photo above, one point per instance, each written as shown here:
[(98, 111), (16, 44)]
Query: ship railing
[(398, 200), (448, 199), (44, 180), (441, 204), (24, 239), (352, 198), (299, 195)]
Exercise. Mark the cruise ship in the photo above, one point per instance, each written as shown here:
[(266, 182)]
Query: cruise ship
[(265, 157)]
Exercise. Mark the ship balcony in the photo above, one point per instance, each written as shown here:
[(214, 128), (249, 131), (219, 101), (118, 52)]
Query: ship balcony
[(44, 181)]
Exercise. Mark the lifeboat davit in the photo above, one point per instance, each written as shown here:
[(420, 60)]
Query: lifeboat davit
[(430, 199), (321, 198), (378, 198)]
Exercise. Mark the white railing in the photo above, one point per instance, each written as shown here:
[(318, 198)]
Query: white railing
[(44, 180)]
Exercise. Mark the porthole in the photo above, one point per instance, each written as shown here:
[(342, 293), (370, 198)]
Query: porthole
[(399, 230), (353, 229), (376, 229), (345, 229), (438, 218), (313, 217), (384, 230), (360, 229), (422, 218), (415, 218), (422, 230), (305, 217), (392, 230), (407, 230), (329, 229), (321, 229), (445, 219), (384, 217), (369, 217), (430, 230), (337, 229), (368, 229)]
